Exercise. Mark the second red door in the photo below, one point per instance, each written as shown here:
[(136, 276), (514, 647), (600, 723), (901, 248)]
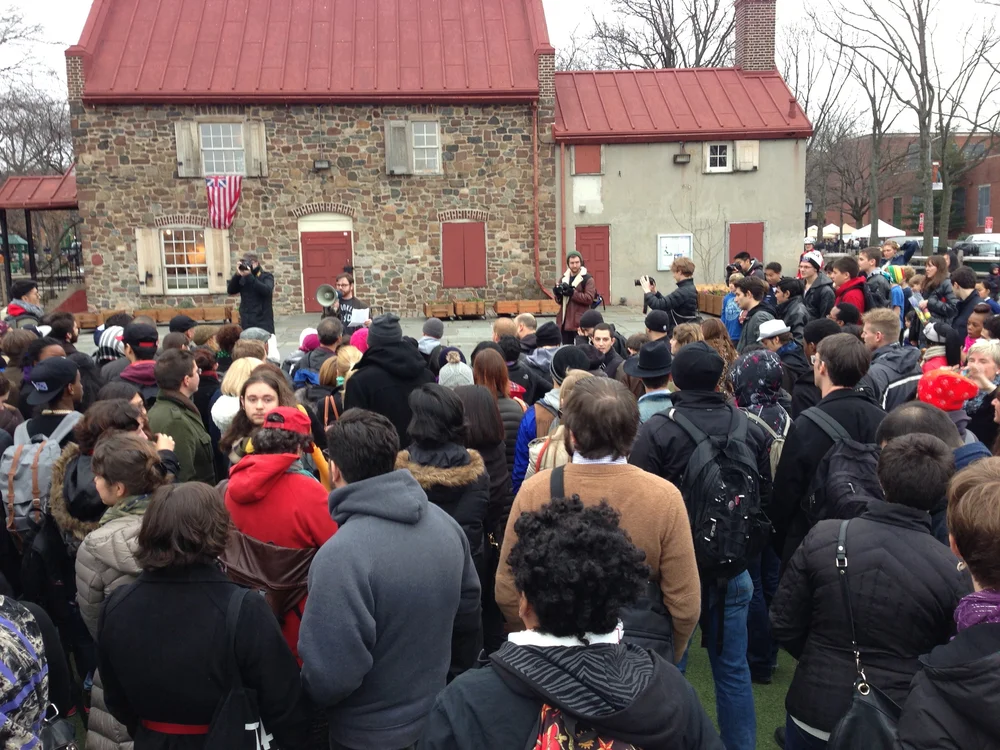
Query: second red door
[(324, 256)]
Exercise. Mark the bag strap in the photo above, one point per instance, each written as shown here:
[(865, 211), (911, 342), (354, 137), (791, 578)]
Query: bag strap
[(830, 426), (846, 589), (65, 427), (557, 486), (688, 426), (761, 423), (541, 454), (232, 618), (21, 436)]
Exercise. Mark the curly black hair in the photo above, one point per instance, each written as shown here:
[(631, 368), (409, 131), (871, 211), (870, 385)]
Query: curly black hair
[(576, 566)]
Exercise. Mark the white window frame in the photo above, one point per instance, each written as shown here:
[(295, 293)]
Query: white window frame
[(169, 231), (983, 207), (227, 130), (709, 156), (429, 143)]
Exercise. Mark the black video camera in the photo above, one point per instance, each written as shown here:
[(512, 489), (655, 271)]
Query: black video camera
[(652, 281), (242, 266)]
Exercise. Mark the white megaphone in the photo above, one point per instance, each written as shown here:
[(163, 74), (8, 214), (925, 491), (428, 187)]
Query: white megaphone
[(326, 295)]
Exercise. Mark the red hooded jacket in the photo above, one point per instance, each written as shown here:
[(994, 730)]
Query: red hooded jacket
[(287, 508), (853, 293)]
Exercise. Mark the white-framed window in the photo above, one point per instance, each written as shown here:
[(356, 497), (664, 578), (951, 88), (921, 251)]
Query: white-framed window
[(185, 261), (718, 157), (426, 146), (222, 148), (984, 205)]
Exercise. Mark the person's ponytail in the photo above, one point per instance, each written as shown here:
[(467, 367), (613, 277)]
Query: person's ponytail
[(130, 460)]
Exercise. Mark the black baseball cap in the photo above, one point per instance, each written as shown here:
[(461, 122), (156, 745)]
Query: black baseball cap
[(182, 324), (141, 336), (658, 320), (50, 378)]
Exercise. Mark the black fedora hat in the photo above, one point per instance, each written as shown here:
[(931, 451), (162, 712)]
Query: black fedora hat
[(653, 361)]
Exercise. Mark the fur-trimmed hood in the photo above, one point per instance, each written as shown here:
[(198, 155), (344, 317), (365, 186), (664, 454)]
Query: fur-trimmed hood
[(60, 497), (436, 476)]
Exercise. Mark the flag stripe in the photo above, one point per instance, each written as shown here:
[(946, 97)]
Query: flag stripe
[(223, 196)]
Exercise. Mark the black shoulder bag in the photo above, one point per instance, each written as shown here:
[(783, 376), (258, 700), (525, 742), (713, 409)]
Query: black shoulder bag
[(870, 722), (236, 723)]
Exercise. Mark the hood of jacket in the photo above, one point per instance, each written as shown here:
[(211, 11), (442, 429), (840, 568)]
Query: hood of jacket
[(856, 283), (315, 359), (427, 344), (428, 476), (542, 358), (790, 308), (73, 500), (395, 496), (224, 411), (400, 359), (551, 399), (821, 280), (966, 672), (616, 690), (140, 373), (970, 453), (529, 343), (255, 476), (794, 358), (902, 360)]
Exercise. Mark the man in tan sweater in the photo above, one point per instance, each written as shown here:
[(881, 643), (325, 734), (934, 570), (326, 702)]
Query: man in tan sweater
[(602, 419)]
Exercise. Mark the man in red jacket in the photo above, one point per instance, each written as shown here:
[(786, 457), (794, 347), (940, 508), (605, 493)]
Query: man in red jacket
[(272, 498), (848, 283)]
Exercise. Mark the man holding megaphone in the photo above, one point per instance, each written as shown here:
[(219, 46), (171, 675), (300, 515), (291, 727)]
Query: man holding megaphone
[(255, 287), (344, 304)]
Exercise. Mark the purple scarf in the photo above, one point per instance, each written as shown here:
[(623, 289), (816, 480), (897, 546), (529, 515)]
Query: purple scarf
[(975, 609)]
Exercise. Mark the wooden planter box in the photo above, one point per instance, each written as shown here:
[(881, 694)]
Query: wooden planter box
[(532, 306), (505, 307), (703, 302), (717, 305), (105, 314), (233, 314), (87, 320), (214, 314), (439, 310), (550, 307), (147, 311), (469, 309)]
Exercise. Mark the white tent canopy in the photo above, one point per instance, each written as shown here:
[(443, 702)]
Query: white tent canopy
[(831, 230), (884, 230)]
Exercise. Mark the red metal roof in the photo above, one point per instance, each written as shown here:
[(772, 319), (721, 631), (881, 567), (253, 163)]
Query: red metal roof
[(49, 193), (311, 50), (644, 106)]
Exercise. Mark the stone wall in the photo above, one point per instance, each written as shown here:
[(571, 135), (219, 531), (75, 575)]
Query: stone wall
[(126, 178)]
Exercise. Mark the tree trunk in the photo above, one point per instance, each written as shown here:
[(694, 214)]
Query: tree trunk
[(873, 239), (944, 220), (925, 178)]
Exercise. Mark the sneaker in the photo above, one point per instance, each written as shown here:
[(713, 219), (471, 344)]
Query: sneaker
[(761, 679), (779, 736)]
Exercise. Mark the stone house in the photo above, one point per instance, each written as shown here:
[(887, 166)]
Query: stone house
[(704, 162), (404, 139)]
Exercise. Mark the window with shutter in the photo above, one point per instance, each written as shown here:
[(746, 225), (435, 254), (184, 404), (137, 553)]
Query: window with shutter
[(188, 150), (426, 147), (150, 266), (217, 257), (185, 266), (463, 254), (397, 147), (222, 148), (718, 157)]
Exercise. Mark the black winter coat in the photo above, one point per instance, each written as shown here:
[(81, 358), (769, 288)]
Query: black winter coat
[(528, 378), (820, 297), (255, 290), (664, 449), (501, 499), (879, 289), (682, 303), (456, 481), (511, 414), (183, 678), (639, 699), (954, 701), (904, 588), (794, 366), (805, 393), (383, 380), (805, 447), (795, 316), (942, 303), (892, 378), (963, 310)]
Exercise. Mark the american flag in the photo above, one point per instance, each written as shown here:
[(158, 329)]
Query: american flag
[(223, 195)]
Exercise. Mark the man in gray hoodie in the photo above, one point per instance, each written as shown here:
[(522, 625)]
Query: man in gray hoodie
[(394, 598)]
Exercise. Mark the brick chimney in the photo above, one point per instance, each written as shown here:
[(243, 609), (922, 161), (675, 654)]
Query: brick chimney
[(755, 35)]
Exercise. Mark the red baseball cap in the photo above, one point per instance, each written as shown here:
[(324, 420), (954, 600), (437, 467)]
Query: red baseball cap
[(288, 418), (946, 389)]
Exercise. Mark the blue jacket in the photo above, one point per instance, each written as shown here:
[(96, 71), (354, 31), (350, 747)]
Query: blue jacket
[(731, 317), (653, 403), (970, 453), (527, 432)]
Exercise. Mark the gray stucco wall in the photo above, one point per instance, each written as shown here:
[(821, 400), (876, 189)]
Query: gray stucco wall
[(642, 193)]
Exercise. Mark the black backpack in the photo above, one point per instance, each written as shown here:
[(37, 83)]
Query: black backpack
[(846, 478), (721, 489)]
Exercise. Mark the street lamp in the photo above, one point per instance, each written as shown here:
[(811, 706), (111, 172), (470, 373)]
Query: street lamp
[(809, 210)]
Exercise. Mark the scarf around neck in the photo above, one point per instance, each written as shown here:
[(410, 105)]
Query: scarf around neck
[(978, 608), (975, 403), (129, 506)]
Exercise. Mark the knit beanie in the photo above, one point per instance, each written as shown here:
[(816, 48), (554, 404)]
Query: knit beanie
[(310, 343), (548, 335), (256, 334), (946, 389), (455, 372), (302, 336), (815, 257), (359, 340), (590, 319), (568, 358), (697, 367), (574, 254), (433, 328), (385, 329)]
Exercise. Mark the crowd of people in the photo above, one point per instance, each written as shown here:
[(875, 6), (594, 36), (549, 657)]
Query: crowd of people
[(385, 542)]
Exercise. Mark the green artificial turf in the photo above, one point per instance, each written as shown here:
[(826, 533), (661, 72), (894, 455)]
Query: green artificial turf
[(769, 700)]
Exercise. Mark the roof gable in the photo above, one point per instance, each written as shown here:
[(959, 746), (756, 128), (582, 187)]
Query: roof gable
[(693, 104), (312, 50)]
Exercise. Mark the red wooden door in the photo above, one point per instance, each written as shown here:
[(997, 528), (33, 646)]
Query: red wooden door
[(594, 244), (463, 255), (324, 255), (747, 238)]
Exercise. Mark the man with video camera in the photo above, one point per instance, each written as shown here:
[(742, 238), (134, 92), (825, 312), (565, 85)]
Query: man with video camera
[(682, 303), (576, 292), (255, 287)]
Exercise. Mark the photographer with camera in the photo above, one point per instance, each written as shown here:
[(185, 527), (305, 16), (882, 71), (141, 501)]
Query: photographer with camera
[(576, 292), (255, 287), (682, 303)]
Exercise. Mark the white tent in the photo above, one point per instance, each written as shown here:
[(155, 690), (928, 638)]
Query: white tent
[(831, 230), (884, 230)]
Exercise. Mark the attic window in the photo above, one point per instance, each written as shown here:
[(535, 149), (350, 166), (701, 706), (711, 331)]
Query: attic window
[(718, 157)]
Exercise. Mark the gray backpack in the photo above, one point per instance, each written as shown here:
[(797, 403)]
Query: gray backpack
[(26, 472)]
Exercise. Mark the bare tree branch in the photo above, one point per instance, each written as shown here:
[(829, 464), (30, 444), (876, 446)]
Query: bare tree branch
[(34, 133)]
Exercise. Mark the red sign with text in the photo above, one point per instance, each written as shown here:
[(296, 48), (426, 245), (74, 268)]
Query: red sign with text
[(989, 225), (920, 225)]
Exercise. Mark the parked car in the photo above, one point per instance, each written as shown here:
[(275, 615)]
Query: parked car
[(919, 239), (979, 249)]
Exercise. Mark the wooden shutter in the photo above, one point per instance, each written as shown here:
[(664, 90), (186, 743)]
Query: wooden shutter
[(587, 160), (463, 255), (188, 148), (397, 147), (747, 156), (149, 261), (255, 143), (217, 256)]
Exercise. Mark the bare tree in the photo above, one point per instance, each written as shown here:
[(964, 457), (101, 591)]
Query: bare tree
[(707, 232), (576, 54), (665, 34), (16, 40), (34, 132)]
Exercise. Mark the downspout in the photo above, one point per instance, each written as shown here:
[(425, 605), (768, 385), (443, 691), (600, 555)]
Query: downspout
[(534, 148), (562, 196)]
